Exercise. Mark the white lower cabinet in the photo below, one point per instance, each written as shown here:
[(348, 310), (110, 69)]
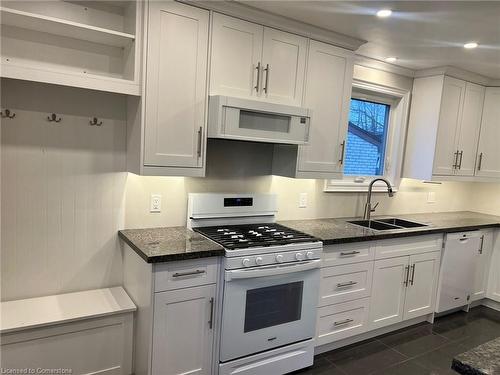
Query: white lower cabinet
[(493, 291), (483, 262), (337, 322), (183, 331), (403, 288), (388, 291)]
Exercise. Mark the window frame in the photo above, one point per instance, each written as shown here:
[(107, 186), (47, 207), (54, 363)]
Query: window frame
[(395, 143)]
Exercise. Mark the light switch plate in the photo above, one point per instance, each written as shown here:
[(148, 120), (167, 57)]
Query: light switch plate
[(431, 197), (303, 200), (155, 203)]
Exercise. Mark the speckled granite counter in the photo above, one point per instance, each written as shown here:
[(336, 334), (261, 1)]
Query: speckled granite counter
[(482, 360), (179, 243), (335, 231), (169, 244)]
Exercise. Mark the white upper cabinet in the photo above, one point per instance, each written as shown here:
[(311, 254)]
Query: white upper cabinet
[(444, 125), (327, 93), (488, 152), (236, 67), (283, 63), (256, 62), (446, 154), (176, 95), (469, 128)]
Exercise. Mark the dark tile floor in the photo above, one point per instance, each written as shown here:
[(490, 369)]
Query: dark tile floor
[(425, 349)]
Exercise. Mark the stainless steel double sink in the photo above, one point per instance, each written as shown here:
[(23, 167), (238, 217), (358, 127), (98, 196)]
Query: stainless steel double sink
[(392, 223)]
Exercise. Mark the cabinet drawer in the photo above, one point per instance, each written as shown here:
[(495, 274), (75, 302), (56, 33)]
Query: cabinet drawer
[(345, 283), (334, 255), (337, 322), (184, 274), (408, 246)]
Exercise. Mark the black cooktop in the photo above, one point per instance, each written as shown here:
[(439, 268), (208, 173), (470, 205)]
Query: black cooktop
[(253, 235)]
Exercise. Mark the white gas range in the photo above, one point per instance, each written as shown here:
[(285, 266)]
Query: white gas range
[(271, 282)]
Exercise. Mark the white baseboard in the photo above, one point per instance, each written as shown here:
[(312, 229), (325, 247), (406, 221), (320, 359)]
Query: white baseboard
[(491, 304)]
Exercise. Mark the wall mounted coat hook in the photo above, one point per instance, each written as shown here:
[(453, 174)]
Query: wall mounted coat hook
[(53, 118), (7, 114), (94, 122)]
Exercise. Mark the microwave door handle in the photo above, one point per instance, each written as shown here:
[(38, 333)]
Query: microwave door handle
[(272, 271)]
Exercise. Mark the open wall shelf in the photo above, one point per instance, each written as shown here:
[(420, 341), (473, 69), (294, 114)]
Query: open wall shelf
[(85, 44)]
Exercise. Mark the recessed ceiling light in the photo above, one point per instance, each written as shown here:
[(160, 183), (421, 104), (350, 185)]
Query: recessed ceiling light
[(384, 13), (391, 59), (470, 45)]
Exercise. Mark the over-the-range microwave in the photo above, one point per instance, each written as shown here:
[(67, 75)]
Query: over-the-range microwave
[(257, 121)]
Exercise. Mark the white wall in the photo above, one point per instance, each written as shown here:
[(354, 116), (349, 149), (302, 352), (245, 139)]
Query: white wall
[(486, 198), (62, 196)]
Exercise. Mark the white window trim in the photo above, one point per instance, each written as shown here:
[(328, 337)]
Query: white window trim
[(398, 121)]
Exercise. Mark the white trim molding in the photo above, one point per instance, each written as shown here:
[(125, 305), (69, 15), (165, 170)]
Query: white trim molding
[(399, 100), (249, 13), (451, 71)]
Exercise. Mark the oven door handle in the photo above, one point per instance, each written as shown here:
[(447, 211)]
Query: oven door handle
[(272, 270)]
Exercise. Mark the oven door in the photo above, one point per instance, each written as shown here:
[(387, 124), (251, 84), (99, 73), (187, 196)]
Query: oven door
[(268, 307)]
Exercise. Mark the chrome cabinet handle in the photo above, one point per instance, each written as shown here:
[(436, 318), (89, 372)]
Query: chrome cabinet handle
[(257, 86), (344, 254), (480, 162), (348, 283), (412, 274), (191, 273), (211, 321), (342, 322), (481, 247), (198, 150), (407, 270), (266, 87), (461, 153), (341, 160), (455, 164)]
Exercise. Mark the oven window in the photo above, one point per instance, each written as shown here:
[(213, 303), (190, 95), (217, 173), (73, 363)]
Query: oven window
[(273, 305)]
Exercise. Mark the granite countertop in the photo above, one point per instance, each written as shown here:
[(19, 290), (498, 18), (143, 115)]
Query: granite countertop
[(179, 243), (482, 360), (156, 245), (336, 231)]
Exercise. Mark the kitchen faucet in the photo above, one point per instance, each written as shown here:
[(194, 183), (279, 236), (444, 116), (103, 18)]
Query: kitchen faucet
[(368, 205)]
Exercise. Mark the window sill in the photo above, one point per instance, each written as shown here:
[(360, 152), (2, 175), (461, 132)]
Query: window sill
[(343, 186)]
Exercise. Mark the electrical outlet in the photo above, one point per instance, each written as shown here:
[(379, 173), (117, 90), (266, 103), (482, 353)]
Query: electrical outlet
[(431, 197), (155, 203), (303, 200)]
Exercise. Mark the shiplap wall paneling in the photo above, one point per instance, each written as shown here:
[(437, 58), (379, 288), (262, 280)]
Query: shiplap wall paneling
[(62, 190)]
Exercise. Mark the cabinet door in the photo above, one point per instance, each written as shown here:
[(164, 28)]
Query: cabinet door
[(449, 119), (176, 85), (488, 164), (182, 334), (284, 63), (493, 291), (388, 291), (483, 257), (328, 94), (236, 53), (469, 128), (422, 284)]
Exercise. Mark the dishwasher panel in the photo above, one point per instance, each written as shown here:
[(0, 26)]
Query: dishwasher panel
[(456, 281)]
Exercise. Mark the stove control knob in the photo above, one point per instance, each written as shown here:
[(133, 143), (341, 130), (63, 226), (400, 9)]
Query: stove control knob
[(279, 258), (259, 261), (246, 262), (299, 256), (310, 255)]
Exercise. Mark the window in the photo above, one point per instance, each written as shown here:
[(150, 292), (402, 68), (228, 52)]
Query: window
[(375, 138), (366, 138)]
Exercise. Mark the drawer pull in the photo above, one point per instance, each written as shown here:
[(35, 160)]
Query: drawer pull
[(348, 283), (342, 322), (182, 274), (347, 253)]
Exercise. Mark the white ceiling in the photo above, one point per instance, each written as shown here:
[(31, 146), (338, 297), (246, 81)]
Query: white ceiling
[(422, 34)]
